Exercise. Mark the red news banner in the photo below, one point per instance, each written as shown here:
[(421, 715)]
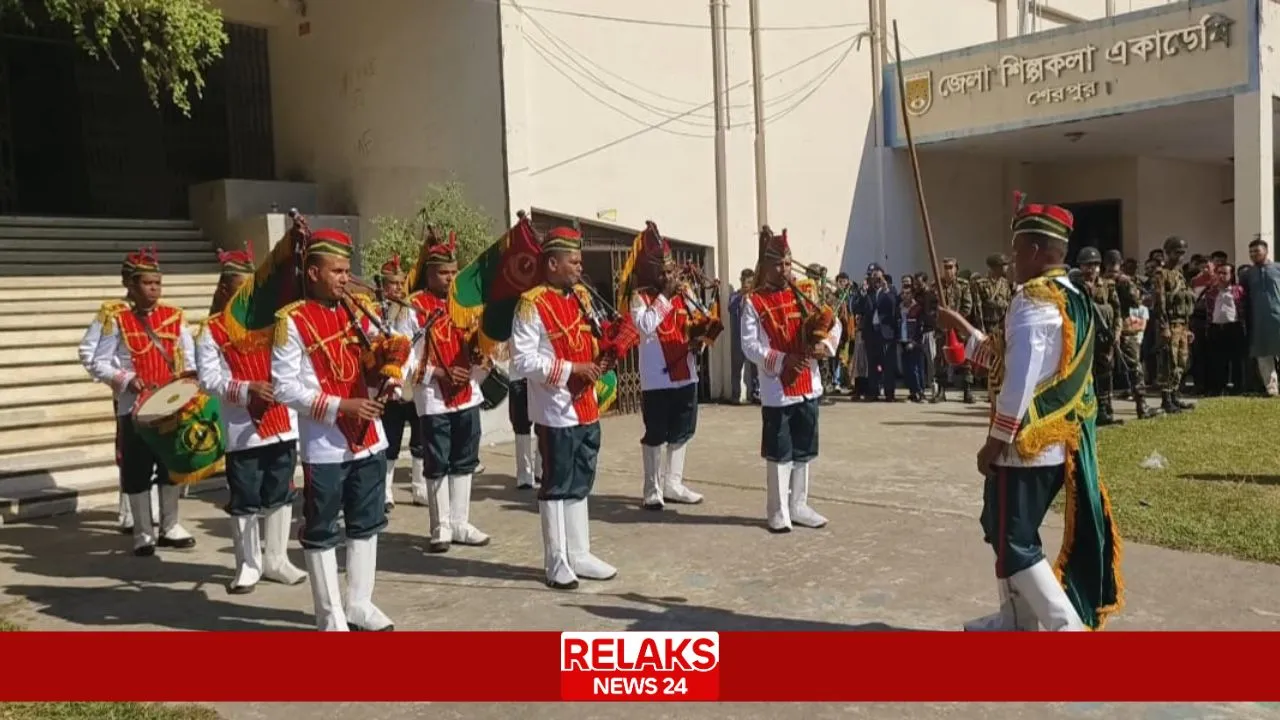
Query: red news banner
[(639, 666), (642, 666)]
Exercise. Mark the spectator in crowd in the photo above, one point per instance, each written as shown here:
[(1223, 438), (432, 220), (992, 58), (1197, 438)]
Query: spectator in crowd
[(1223, 348), (742, 370), (911, 336), (877, 311), (1262, 318)]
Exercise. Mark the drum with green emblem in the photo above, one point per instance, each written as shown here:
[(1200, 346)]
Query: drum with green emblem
[(183, 426)]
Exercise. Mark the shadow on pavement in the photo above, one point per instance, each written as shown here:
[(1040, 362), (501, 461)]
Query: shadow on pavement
[(131, 604), (674, 614), (608, 508)]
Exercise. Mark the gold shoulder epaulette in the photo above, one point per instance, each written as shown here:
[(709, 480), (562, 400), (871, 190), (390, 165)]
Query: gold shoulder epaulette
[(107, 314), (1043, 289), (528, 305), (287, 310), (282, 322)]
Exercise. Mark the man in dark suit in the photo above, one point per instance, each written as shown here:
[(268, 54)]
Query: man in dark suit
[(877, 308)]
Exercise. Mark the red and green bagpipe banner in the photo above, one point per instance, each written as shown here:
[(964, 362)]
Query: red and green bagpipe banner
[(250, 314), (485, 292)]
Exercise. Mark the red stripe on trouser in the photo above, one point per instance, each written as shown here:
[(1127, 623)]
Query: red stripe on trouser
[(1002, 529)]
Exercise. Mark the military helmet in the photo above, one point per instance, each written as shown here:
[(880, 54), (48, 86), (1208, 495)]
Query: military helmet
[(1112, 257), (1088, 255), (996, 260), (1173, 242)]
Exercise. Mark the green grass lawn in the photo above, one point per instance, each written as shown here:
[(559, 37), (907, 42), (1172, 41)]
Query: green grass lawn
[(1220, 491)]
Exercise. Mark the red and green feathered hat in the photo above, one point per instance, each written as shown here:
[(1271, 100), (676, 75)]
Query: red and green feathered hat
[(145, 260), (236, 262), (1036, 219), (650, 253), (392, 269), (437, 250), (772, 249)]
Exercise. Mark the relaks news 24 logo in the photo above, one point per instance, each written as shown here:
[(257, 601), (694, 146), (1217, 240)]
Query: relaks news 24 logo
[(677, 666)]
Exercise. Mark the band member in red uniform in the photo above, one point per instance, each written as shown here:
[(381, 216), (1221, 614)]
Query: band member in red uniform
[(318, 369), (400, 412), (783, 333), (447, 395), (262, 440), (144, 346), (554, 348), (668, 371)]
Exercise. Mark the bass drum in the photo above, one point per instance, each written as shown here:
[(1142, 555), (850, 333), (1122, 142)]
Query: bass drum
[(494, 388)]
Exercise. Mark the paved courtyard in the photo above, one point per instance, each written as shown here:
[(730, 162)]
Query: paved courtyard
[(903, 550)]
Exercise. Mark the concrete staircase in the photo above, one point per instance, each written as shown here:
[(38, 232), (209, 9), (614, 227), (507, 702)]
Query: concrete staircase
[(57, 428)]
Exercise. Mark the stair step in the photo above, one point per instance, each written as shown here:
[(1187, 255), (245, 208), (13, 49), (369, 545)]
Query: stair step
[(43, 394), (57, 492), (23, 288), (37, 374), (56, 436), (82, 255), (52, 413), (81, 320), (137, 237), (184, 296), (82, 222), (18, 357), (117, 247), (105, 269), (35, 461), (64, 336)]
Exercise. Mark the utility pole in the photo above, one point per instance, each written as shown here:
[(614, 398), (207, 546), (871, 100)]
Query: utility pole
[(757, 86), (724, 359)]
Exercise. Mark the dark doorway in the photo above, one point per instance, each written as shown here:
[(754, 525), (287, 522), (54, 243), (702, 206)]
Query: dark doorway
[(1098, 224), (79, 137)]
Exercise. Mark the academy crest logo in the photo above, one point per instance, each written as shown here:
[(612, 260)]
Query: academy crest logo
[(919, 92)]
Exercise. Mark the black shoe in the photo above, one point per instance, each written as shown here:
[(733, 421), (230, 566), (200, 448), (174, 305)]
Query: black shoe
[(1168, 405), (436, 548), (939, 396), (183, 544), (779, 531), (572, 585), (968, 396), (145, 551), (1183, 404), (654, 506), (357, 628), (388, 507)]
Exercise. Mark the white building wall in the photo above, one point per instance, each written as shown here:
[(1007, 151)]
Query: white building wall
[(637, 138), (383, 97)]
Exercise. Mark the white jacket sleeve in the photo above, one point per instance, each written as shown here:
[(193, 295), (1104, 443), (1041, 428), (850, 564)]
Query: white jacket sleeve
[(287, 368), (755, 344), (109, 365), (530, 359), (214, 374), (1030, 331), (89, 344), (188, 345)]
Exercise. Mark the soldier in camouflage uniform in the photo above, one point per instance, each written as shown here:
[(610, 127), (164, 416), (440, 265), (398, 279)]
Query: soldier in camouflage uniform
[(1171, 306), (992, 295), (1132, 322), (1103, 292), (955, 293)]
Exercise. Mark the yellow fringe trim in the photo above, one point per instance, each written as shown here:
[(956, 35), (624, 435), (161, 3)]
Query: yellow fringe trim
[(239, 335), (1104, 613), (107, 314), (202, 474), (464, 317), (628, 268), (527, 309)]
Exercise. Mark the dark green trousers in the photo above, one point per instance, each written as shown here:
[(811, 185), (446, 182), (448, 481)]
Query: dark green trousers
[(790, 434), (568, 460), (450, 443), (670, 415), (1014, 503), (261, 478), (138, 462), (356, 488)]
